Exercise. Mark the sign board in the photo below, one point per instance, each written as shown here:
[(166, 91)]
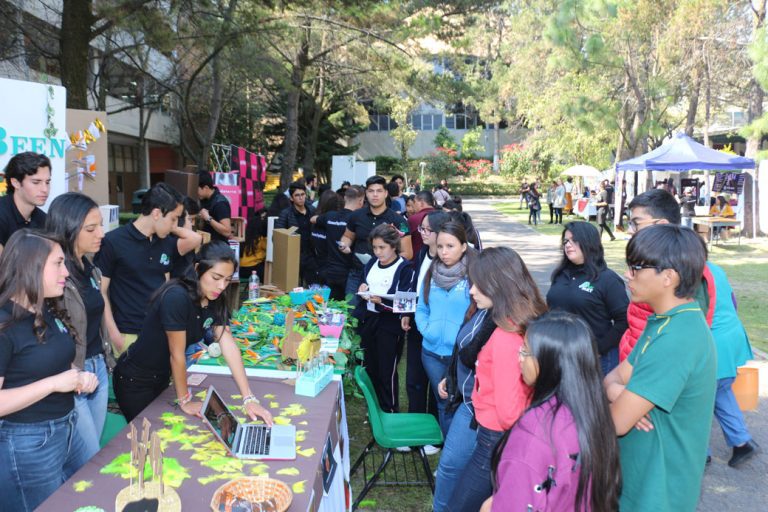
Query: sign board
[(345, 168), (24, 118)]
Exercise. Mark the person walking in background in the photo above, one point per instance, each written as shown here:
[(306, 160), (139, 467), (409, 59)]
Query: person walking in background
[(524, 189), (442, 303), (28, 176), (501, 283), (39, 445), (603, 209), (533, 464), (441, 195), (533, 204), (569, 188), (559, 201), (551, 200), (583, 284), (687, 207)]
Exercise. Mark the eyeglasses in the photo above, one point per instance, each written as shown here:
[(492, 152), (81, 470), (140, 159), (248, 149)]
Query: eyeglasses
[(635, 225), (524, 353), (633, 269), (571, 241), (424, 231)]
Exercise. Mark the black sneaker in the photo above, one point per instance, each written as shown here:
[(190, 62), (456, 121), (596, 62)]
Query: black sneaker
[(742, 453)]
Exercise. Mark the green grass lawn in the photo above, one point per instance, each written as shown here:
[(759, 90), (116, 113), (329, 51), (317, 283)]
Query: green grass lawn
[(746, 265)]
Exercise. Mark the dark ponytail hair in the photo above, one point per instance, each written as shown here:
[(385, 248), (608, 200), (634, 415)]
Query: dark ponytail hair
[(569, 371), (210, 254)]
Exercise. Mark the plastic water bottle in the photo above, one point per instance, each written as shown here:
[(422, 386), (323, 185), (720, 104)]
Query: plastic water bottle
[(253, 286)]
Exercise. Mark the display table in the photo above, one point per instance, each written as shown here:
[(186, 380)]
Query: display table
[(196, 464), (717, 222), (585, 208)]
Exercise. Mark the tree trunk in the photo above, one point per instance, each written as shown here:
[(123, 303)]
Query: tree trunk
[(754, 112), (291, 142), (693, 103), (217, 90), (76, 20), (310, 152)]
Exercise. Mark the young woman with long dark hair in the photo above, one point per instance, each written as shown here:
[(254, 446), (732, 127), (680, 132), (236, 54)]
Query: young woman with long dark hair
[(583, 284), (443, 301), (76, 220), (562, 454), (39, 449), (181, 313), (501, 283)]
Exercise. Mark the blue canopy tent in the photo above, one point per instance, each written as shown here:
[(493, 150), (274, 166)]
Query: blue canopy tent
[(683, 153)]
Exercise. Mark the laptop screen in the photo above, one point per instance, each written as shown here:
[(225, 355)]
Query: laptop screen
[(222, 421)]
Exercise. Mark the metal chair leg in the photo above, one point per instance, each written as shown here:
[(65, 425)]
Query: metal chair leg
[(427, 469), (370, 483), (362, 456)]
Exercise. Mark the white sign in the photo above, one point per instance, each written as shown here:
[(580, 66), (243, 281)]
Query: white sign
[(23, 120)]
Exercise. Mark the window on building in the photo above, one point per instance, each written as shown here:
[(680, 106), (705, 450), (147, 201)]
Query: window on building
[(426, 122), (450, 122), (416, 121), (437, 121)]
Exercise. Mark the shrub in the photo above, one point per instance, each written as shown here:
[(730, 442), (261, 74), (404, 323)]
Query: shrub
[(443, 139), (471, 143), (385, 164)]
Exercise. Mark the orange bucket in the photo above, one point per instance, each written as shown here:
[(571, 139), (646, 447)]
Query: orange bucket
[(746, 386)]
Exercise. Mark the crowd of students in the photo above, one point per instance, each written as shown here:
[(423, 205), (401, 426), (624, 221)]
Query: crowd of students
[(590, 398)]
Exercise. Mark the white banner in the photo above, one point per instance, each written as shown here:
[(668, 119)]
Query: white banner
[(31, 112)]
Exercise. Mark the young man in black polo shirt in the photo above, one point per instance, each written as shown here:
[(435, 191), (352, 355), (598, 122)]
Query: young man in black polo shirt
[(135, 260), (335, 224), (28, 176), (214, 208), (362, 222), (298, 215)]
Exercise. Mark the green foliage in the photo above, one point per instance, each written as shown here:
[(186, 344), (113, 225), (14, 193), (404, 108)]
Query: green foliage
[(442, 165), (444, 139), (530, 161), (386, 164), (471, 143)]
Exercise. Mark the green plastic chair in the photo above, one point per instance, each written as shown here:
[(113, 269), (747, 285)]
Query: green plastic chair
[(391, 431)]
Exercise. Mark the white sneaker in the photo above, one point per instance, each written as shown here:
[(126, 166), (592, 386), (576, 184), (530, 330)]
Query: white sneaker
[(431, 450), (403, 449)]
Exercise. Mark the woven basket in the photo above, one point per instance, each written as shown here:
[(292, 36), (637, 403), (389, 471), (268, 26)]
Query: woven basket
[(255, 490)]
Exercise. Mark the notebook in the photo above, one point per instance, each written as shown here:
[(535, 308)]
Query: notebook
[(247, 441)]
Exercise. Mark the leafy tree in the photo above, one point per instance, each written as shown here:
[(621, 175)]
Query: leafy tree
[(444, 139), (471, 143)]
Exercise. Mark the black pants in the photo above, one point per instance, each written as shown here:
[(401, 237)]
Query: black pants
[(337, 284), (558, 215), (420, 398), (383, 349), (136, 387), (551, 213)]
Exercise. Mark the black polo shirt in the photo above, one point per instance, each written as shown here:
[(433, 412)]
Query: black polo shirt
[(362, 222), (136, 267), (219, 209), (94, 309), (174, 310), (335, 224), (24, 360), (11, 220)]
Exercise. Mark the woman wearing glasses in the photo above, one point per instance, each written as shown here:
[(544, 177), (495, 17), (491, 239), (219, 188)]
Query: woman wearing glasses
[(584, 285)]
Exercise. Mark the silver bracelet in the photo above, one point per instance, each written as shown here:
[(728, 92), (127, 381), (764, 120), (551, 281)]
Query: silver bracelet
[(250, 398)]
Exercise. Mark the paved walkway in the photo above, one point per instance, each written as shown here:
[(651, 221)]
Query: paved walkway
[(724, 488)]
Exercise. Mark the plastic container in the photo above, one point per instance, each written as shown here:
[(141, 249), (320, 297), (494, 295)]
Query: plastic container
[(746, 387)]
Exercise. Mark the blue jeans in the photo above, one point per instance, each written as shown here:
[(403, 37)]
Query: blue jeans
[(609, 361), (36, 459), (92, 408), (457, 449), (436, 366), (729, 415), (354, 279), (475, 481)]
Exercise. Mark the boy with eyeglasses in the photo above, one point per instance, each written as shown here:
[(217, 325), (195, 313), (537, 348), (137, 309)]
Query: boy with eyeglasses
[(715, 296), (662, 396)]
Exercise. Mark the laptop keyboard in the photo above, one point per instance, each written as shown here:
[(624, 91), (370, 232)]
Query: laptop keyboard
[(256, 440)]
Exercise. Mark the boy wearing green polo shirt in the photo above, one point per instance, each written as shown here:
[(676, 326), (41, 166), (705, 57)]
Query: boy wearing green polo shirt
[(662, 397)]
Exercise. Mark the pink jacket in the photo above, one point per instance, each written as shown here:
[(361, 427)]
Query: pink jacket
[(500, 395)]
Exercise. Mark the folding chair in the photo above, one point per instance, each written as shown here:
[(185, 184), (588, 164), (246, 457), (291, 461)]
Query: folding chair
[(391, 431)]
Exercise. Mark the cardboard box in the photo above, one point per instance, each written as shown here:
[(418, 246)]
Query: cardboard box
[(287, 254), (238, 228), (183, 182)]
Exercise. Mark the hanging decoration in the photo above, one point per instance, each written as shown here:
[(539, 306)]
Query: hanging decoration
[(50, 130), (84, 165)]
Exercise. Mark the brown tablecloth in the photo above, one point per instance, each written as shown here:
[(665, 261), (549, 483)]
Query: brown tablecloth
[(322, 417)]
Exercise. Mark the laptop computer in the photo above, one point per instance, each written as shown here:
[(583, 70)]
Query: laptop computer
[(277, 442)]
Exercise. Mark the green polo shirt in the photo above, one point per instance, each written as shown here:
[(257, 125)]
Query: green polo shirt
[(674, 366)]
